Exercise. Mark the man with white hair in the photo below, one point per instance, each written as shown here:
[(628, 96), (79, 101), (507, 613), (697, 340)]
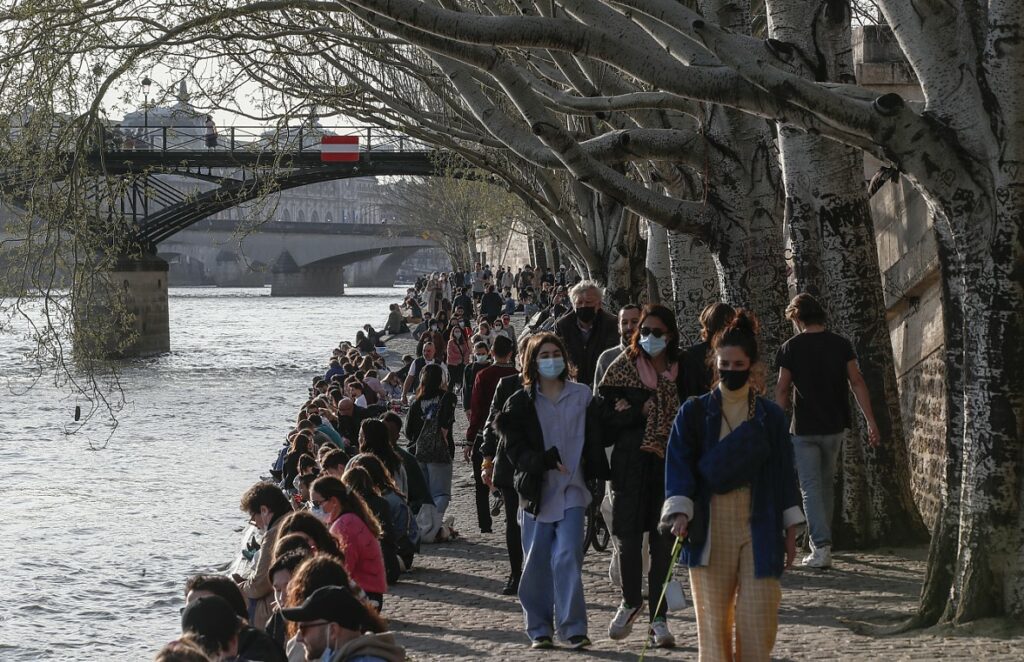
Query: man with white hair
[(588, 330)]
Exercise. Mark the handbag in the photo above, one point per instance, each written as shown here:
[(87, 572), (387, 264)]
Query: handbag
[(735, 460)]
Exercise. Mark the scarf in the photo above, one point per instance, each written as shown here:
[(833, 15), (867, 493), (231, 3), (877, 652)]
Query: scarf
[(641, 373)]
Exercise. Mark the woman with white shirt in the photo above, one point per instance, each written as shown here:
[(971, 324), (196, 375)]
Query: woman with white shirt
[(552, 441)]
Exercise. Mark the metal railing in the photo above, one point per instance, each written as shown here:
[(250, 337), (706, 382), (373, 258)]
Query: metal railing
[(251, 139)]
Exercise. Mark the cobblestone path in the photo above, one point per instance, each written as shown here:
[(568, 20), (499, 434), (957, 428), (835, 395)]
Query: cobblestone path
[(450, 606)]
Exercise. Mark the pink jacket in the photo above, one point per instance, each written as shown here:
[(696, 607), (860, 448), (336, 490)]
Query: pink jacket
[(459, 353), (364, 561)]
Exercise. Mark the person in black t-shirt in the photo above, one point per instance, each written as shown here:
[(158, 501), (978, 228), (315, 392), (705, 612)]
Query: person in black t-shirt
[(822, 367)]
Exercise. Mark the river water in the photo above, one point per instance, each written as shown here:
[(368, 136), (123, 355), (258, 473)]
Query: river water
[(95, 545)]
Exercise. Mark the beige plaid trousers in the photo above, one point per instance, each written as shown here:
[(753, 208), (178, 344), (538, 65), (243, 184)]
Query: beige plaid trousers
[(725, 592)]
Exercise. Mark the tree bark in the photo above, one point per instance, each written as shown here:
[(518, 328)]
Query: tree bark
[(694, 283), (837, 260), (658, 266)]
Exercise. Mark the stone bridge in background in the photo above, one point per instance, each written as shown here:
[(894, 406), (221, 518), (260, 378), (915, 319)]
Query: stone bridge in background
[(298, 259)]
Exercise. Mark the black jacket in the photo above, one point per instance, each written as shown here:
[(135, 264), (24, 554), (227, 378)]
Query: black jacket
[(468, 375), (637, 477), (491, 446), (491, 305), (697, 372), (524, 445), (584, 354)]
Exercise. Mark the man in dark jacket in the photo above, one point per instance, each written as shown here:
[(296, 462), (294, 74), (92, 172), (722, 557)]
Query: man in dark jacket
[(484, 385), (492, 455), (491, 304), (587, 331), (463, 301)]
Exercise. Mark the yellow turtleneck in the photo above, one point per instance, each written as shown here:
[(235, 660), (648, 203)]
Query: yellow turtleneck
[(735, 408)]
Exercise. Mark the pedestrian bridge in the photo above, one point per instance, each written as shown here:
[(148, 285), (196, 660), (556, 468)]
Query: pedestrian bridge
[(163, 181), (171, 180)]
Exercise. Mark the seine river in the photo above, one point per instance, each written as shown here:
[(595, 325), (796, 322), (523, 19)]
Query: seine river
[(95, 545)]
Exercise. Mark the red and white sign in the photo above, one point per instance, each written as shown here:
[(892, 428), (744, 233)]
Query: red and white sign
[(339, 148)]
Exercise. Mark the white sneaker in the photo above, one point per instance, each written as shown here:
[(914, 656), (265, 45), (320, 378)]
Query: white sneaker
[(661, 637), (614, 573), (820, 557), (622, 624)]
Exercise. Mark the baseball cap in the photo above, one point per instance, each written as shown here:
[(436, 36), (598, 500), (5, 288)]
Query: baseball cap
[(334, 604)]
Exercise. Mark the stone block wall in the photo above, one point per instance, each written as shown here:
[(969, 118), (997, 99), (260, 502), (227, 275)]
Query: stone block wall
[(924, 418), (910, 279)]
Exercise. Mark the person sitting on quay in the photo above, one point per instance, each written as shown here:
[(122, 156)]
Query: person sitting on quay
[(214, 625), (266, 505), (410, 480), (400, 516), (396, 324), (423, 326), (253, 643), (357, 531), (334, 463), (334, 625)]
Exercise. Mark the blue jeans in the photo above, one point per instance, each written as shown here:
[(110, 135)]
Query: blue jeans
[(439, 482), (551, 588), (816, 456)]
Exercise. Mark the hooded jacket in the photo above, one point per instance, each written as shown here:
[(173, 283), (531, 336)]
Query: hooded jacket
[(370, 648)]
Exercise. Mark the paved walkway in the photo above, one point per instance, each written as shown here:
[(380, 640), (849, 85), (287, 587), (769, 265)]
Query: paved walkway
[(450, 606)]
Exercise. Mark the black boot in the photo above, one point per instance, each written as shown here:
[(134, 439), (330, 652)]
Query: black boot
[(511, 586)]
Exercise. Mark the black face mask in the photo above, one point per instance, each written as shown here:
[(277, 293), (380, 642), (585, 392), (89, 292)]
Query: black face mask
[(734, 380), (586, 314)]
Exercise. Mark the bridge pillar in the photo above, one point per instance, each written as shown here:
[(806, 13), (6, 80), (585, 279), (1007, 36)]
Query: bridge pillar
[(124, 313), (291, 280)]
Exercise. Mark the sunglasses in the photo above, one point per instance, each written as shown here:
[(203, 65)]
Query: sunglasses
[(648, 331)]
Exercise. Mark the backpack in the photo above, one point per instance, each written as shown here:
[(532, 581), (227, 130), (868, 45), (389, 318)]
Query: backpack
[(431, 446)]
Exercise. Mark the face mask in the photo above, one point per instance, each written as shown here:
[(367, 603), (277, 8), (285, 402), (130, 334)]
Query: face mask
[(481, 358), (653, 346), (328, 654), (550, 368), (321, 514), (734, 380), (586, 314), (497, 327)]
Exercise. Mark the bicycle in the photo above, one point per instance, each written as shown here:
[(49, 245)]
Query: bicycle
[(596, 534)]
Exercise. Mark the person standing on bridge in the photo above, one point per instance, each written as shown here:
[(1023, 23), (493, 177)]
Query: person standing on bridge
[(211, 133)]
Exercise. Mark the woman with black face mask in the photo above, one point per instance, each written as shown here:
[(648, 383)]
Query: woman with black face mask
[(732, 496)]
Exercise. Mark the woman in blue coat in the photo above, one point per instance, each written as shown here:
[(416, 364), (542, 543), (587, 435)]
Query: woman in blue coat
[(732, 494)]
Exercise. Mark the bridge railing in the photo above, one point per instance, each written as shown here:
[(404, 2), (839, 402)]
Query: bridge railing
[(251, 139)]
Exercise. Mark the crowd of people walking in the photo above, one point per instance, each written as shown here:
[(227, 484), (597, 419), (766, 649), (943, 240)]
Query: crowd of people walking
[(583, 411)]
